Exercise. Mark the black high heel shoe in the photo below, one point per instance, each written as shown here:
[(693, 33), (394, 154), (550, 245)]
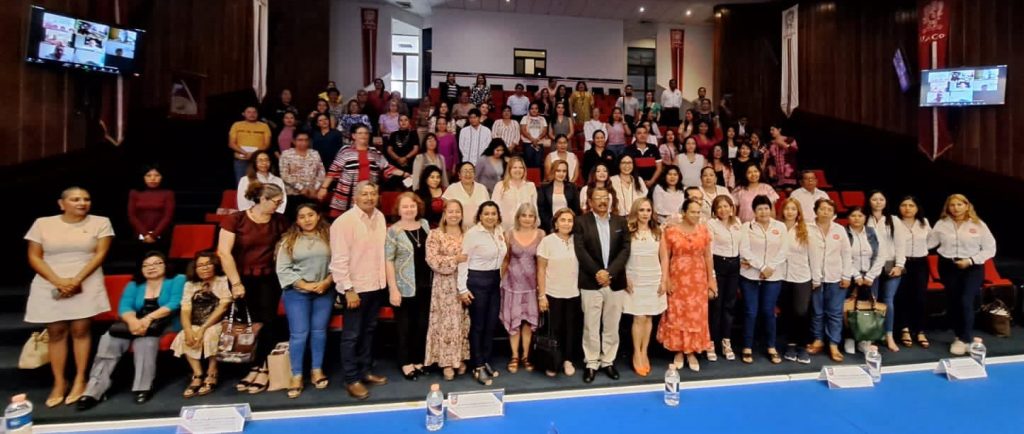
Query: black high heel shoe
[(143, 396), (87, 402)]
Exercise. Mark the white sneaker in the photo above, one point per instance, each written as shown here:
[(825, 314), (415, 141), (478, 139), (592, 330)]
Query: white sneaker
[(958, 348), (848, 346)]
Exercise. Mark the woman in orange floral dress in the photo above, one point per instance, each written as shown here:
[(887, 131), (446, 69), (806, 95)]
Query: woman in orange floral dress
[(689, 278)]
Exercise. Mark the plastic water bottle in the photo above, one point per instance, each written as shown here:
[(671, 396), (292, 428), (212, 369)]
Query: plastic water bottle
[(435, 408), (977, 351), (18, 416), (672, 386), (874, 361)]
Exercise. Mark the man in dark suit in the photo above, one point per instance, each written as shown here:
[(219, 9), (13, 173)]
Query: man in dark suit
[(602, 248)]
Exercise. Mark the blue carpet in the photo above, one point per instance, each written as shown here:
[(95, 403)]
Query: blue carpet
[(906, 402)]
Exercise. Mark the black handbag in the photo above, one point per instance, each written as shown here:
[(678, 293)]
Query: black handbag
[(156, 328), (547, 351)]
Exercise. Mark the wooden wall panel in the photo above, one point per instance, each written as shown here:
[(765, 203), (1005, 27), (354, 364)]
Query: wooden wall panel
[(846, 72), (299, 32)]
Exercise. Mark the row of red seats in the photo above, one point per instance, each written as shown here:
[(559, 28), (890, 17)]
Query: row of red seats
[(500, 97)]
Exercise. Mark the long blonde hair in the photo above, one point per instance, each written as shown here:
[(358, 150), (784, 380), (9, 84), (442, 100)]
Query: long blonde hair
[(443, 225), (801, 226), (633, 220), (322, 231), (554, 166), (971, 214), (508, 172)]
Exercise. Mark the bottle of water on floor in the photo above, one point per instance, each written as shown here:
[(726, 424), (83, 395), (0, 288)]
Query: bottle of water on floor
[(874, 361), (672, 386), (977, 351), (18, 416), (435, 408)]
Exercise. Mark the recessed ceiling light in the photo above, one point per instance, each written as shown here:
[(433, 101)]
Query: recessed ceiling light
[(689, 12), (642, 9)]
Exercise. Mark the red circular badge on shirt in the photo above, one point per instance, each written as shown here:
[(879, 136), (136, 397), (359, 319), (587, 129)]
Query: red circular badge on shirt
[(835, 237), (775, 231), (972, 231)]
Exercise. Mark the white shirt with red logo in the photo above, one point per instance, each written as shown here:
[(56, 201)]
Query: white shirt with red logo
[(763, 248), (830, 254), (972, 240)]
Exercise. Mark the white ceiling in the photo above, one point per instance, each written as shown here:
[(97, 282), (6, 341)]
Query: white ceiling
[(663, 11)]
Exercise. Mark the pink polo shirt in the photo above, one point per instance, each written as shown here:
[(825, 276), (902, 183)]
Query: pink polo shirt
[(357, 251)]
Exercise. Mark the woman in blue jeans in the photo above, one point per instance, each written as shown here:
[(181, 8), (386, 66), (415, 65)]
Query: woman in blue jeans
[(302, 260), (763, 251), (867, 261), (830, 277), (892, 240)]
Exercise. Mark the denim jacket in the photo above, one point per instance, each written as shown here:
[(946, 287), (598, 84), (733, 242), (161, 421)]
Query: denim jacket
[(399, 250)]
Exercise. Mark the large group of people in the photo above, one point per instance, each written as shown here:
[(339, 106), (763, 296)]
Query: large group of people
[(677, 224)]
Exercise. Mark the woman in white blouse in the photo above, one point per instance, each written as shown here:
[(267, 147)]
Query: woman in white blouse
[(914, 284), (627, 186), (830, 275), (561, 152), (690, 162), (964, 243), (725, 250), (558, 291), (711, 191), (261, 168), (796, 283), (763, 249), (480, 286), (468, 192), (668, 195), (513, 191), (865, 262), (890, 235)]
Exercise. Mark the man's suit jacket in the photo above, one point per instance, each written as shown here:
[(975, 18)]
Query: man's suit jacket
[(587, 243)]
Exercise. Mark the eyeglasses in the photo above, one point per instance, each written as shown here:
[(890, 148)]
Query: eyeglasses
[(206, 265), (153, 264), (278, 201)]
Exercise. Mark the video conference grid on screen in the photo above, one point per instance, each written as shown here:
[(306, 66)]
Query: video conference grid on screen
[(79, 43), (963, 86)]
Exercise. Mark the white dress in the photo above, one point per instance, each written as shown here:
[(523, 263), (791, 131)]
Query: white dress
[(67, 247), (644, 271)]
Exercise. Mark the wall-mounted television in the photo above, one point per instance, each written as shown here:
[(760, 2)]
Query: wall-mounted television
[(70, 42), (964, 86)]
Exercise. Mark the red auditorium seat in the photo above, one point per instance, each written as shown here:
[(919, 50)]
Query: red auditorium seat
[(933, 267), (435, 95), (840, 209), (115, 284), (533, 175), (228, 201), (387, 202), (822, 181), (189, 239), (852, 198), (992, 276)]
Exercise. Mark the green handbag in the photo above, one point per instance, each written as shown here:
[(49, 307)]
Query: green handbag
[(867, 321)]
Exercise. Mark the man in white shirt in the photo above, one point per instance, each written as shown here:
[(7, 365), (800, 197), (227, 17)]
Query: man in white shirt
[(474, 138), (630, 106), (671, 101), (808, 194), (519, 103), (594, 124)]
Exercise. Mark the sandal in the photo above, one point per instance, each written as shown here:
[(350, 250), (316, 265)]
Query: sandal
[(773, 355), (748, 356), (295, 388), (905, 338), (727, 350), (243, 385), (513, 365), (922, 340), (209, 384), (462, 369), (193, 387), (527, 365), (318, 379), (449, 374), (712, 355), (255, 387)]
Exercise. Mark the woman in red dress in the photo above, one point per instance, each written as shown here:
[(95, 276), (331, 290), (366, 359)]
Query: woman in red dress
[(689, 278)]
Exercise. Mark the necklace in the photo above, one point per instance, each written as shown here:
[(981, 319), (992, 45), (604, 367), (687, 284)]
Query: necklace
[(415, 237)]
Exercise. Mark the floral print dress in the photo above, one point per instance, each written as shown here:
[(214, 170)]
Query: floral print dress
[(684, 326)]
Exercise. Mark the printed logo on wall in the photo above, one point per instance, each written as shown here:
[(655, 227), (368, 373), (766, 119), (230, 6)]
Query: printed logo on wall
[(369, 18), (790, 71), (933, 38)]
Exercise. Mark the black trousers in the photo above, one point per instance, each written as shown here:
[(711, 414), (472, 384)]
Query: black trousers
[(911, 296), (721, 310), (262, 296), (795, 311), (962, 289), (566, 321), (483, 314), (411, 320), (357, 335)]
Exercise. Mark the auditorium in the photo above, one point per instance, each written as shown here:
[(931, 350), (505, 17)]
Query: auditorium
[(548, 216)]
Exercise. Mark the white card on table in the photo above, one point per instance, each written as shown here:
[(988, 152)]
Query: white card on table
[(202, 419), (471, 405), (961, 368), (846, 377)]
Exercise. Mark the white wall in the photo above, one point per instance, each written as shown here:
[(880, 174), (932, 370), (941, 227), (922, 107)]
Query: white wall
[(473, 41), (698, 58), (345, 45)]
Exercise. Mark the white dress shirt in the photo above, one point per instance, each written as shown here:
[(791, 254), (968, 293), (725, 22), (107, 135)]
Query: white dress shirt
[(520, 105), (830, 254), (807, 199), (470, 204), (725, 239), (798, 258), (860, 256), (763, 248), (969, 241), (672, 99), (917, 238), (888, 240), (486, 251), (473, 141), (709, 199), (589, 128), (626, 195), (667, 203)]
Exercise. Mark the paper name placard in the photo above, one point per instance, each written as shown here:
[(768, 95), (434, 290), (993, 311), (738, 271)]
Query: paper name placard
[(846, 377), (961, 368), (472, 405), (209, 419)]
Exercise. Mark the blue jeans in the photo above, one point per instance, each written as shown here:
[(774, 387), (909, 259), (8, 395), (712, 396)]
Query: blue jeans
[(308, 315), (617, 150), (827, 320), (759, 299), (357, 335), (241, 166), (533, 157), (888, 285)]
